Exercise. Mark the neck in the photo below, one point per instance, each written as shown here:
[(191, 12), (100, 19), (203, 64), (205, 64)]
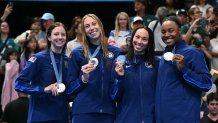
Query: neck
[(139, 53), (141, 13), (4, 36), (123, 29), (202, 3), (213, 117), (56, 49), (32, 51), (95, 42)]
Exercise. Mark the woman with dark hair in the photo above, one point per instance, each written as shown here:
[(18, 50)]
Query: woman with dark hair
[(30, 47), (44, 79), (72, 31), (135, 79), (89, 77), (182, 77)]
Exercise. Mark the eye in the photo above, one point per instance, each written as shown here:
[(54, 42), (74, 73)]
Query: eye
[(163, 31), (86, 26), (94, 23), (145, 38), (171, 30), (137, 36), (63, 34), (56, 34)]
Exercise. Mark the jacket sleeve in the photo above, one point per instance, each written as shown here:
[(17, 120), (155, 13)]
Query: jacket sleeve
[(74, 81), (196, 73), (23, 82)]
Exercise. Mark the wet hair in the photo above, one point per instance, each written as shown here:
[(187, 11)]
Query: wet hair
[(212, 96), (86, 40), (174, 19), (149, 50), (51, 28)]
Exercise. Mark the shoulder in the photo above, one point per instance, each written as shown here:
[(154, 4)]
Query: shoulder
[(43, 55), (113, 48), (115, 51), (77, 51)]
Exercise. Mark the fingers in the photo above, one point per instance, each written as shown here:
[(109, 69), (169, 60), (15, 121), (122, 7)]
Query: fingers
[(53, 88), (87, 68), (178, 57), (119, 66)]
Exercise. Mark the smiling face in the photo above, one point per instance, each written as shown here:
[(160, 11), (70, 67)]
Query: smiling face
[(140, 41), (57, 37), (92, 29), (170, 32)]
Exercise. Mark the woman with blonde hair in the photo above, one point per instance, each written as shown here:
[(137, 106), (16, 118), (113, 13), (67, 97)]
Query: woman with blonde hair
[(122, 31)]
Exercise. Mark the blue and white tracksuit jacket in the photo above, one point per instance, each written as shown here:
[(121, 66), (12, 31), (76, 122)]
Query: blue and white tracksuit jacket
[(94, 96), (135, 92), (36, 75), (178, 92)]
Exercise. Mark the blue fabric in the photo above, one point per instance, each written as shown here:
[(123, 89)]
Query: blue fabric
[(93, 118), (36, 75), (135, 93), (178, 92), (94, 96)]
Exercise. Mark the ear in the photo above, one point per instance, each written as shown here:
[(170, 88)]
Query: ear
[(49, 38)]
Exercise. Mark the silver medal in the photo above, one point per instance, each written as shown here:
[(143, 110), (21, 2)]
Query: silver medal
[(94, 61), (168, 56), (61, 87)]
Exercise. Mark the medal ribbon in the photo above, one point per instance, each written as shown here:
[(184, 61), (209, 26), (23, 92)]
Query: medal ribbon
[(95, 52), (58, 74)]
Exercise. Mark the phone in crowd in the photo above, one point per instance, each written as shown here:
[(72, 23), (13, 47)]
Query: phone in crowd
[(203, 22), (11, 4)]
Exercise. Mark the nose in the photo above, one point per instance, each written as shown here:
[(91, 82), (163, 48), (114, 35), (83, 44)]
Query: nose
[(167, 34)]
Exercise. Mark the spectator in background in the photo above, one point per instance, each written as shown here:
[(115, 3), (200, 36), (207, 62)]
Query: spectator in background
[(137, 22), (17, 110), (71, 45), (72, 31), (8, 10), (194, 33), (203, 6), (179, 88), (122, 30), (212, 104), (30, 47), (169, 5), (6, 43), (182, 15), (155, 26), (47, 20), (33, 32), (140, 7), (210, 14), (11, 72)]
